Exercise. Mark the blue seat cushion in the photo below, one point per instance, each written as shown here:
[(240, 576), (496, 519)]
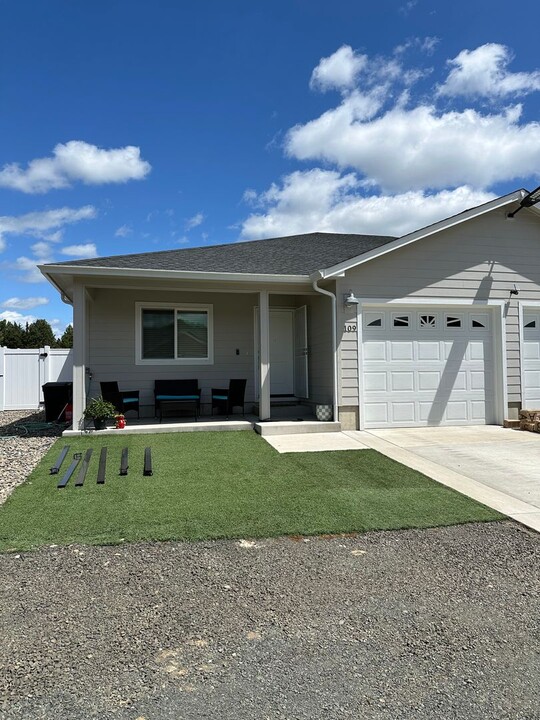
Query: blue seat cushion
[(177, 397), (219, 397), (130, 400)]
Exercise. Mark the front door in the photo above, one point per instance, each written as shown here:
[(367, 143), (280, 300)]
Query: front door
[(281, 352)]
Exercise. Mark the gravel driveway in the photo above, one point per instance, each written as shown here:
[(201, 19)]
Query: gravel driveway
[(440, 623)]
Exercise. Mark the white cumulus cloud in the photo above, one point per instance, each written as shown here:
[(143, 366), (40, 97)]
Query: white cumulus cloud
[(27, 303), (84, 250), (17, 317), (419, 147), (38, 224), (194, 221), (393, 160), (327, 201), (483, 73), (123, 231), (76, 161), (28, 268), (339, 70)]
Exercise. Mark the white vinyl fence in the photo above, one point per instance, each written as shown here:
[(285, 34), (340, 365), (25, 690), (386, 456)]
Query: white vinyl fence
[(23, 372)]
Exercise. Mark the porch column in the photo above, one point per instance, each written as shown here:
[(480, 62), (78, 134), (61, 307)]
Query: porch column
[(79, 353), (264, 359)]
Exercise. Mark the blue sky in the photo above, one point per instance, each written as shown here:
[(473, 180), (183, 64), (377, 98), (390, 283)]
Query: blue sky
[(136, 126)]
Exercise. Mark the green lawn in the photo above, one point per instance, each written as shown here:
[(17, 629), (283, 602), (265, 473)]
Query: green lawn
[(224, 485)]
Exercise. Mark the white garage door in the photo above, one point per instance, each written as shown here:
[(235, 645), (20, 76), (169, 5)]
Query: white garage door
[(531, 360), (427, 367)]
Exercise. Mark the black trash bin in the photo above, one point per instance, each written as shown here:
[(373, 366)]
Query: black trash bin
[(56, 396)]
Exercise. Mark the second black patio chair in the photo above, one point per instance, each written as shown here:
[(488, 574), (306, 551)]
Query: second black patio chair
[(123, 400), (227, 399)]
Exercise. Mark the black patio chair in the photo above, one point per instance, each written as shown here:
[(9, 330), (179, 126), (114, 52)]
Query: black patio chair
[(227, 399), (123, 400)]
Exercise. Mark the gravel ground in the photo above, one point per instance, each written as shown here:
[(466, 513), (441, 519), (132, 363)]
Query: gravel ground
[(21, 452), (440, 623)]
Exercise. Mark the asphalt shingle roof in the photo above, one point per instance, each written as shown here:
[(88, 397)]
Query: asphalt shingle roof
[(292, 255)]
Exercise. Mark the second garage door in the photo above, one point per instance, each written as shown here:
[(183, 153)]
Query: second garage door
[(427, 367), (531, 359)]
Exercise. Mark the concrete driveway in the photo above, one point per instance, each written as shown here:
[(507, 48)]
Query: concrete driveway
[(504, 461)]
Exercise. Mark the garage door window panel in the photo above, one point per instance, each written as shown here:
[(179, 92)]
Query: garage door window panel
[(479, 321), (400, 321), (374, 320), (453, 322), (427, 321)]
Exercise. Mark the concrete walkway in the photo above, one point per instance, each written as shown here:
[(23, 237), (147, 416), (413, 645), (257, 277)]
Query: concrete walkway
[(314, 442), (497, 467)]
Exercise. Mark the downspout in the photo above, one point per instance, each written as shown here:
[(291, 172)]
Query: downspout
[(334, 341)]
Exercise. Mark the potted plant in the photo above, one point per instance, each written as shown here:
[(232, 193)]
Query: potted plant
[(99, 410)]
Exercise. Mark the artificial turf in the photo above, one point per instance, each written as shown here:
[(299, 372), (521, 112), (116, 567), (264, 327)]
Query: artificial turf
[(223, 485)]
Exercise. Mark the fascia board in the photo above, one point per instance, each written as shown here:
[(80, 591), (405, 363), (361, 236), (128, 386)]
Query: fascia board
[(90, 271), (340, 268)]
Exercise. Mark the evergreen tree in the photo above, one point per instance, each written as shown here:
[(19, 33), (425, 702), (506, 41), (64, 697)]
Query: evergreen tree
[(66, 341), (38, 334), (11, 334)]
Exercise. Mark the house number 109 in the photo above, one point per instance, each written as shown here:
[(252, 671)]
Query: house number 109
[(350, 328)]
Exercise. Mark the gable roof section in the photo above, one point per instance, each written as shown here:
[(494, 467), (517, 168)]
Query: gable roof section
[(295, 255), (341, 267)]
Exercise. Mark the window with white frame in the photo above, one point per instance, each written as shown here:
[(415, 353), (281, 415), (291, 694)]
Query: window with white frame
[(174, 334)]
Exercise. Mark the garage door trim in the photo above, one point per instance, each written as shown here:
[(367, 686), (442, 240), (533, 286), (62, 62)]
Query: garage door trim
[(496, 309)]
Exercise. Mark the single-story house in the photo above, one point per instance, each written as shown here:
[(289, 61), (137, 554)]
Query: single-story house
[(438, 327)]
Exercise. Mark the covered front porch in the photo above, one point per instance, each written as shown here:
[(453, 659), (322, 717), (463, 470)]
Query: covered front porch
[(279, 339)]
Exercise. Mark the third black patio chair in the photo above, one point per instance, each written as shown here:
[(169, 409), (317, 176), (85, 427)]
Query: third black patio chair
[(227, 399), (123, 400)]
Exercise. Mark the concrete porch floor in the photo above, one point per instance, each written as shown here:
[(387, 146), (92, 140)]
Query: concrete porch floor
[(149, 426), (215, 423)]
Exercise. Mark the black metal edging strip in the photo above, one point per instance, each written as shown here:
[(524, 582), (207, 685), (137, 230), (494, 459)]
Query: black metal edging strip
[(84, 468), (147, 461), (102, 466), (58, 464), (124, 462), (69, 472)]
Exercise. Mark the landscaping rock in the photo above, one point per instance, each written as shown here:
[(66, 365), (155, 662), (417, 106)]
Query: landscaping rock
[(21, 451)]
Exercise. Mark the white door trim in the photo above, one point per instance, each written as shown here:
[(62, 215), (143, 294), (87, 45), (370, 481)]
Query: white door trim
[(499, 339)]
